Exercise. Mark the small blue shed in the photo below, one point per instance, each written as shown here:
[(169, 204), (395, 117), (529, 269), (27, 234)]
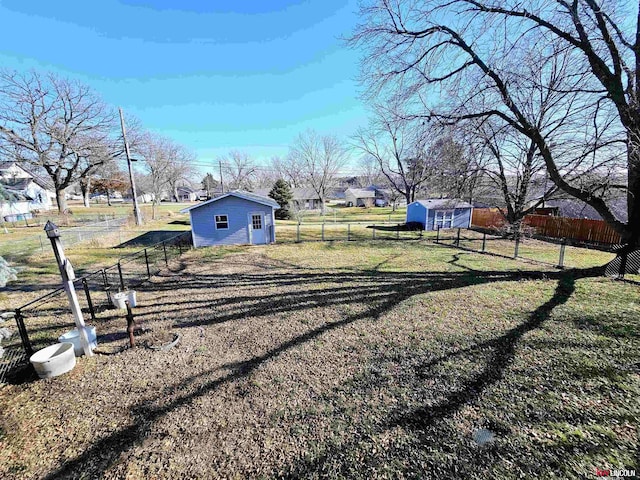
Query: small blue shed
[(441, 212), (233, 218)]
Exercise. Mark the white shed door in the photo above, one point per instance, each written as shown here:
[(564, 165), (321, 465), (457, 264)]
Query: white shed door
[(257, 228)]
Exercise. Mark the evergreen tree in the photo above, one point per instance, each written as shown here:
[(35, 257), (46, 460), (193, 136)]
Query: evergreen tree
[(281, 193), (209, 184)]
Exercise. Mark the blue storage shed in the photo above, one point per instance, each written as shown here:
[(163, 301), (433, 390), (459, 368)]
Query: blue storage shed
[(233, 218), (442, 212)]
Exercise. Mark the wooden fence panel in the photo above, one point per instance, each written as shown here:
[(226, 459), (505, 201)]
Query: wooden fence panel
[(581, 229)]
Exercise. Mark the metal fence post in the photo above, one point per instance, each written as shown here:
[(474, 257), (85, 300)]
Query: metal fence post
[(120, 275), (438, 234), (374, 232), (41, 244), (164, 248), (107, 287), (623, 264), (398, 232), (348, 232), (458, 239), (561, 259), (517, 248), (146, 259), (323, 230), (24, 337), (298, 233), (85, 285), (484, 241)]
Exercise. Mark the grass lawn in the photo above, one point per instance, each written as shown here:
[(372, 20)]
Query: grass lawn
[(360, 359)]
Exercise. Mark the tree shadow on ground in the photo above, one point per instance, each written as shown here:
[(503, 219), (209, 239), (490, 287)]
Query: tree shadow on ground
[(380, 291), (149, 238)]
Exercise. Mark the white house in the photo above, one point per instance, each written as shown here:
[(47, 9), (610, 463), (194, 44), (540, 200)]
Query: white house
[(232, 219), (29, 191)]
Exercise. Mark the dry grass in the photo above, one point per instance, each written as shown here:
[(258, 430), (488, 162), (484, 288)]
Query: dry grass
[(341, 360)]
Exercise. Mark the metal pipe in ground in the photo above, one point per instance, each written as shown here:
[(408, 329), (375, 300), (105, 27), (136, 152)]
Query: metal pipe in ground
[(131, 325)]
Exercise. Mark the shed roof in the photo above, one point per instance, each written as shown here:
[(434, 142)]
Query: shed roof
[(252, 197), (444, 203)]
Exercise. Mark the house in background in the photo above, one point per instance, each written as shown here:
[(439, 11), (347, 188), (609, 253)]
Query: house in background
[(304, 198), (232, 219), (443, 213), (30, 191), (370, 196), (186, 194)]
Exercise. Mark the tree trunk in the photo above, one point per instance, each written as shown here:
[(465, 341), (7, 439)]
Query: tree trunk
[(633, 194), (61, 200), (108, 198), (153, 209), (85, 188)]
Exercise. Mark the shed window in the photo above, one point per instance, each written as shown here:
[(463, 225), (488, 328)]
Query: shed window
[(222, 222), (256, 222), (444, 219)]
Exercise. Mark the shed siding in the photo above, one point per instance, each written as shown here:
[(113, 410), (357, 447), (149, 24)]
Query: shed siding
[(417, 213), (461, 218), (238, 209)]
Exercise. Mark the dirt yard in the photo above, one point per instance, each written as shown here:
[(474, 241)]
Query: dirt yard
[(345, 360)]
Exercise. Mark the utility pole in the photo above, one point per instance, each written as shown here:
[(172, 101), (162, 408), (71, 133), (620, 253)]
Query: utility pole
[(221, 181), (136, 209), (68, 276)]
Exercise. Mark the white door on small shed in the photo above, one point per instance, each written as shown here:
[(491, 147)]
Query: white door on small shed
[(257, 228)]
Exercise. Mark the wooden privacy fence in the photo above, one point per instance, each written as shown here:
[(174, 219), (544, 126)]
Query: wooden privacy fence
[(581, 229)]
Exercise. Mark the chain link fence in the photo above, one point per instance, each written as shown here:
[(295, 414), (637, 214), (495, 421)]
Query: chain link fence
[(40, 322), (15, 250)]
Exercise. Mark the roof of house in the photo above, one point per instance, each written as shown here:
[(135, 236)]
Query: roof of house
[(361, 192), (16, 183), (252, 197), (301, 193), (44, 182), (444, 203)]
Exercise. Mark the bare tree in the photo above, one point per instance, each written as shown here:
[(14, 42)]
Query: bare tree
[(288, 169), (56, 125), (399, 146), (159, 156), (320, 159), (182, 170), (239, 170), (369, 171), (583, 53)]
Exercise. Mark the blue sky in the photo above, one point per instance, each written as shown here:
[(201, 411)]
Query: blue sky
[(213, 75)]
